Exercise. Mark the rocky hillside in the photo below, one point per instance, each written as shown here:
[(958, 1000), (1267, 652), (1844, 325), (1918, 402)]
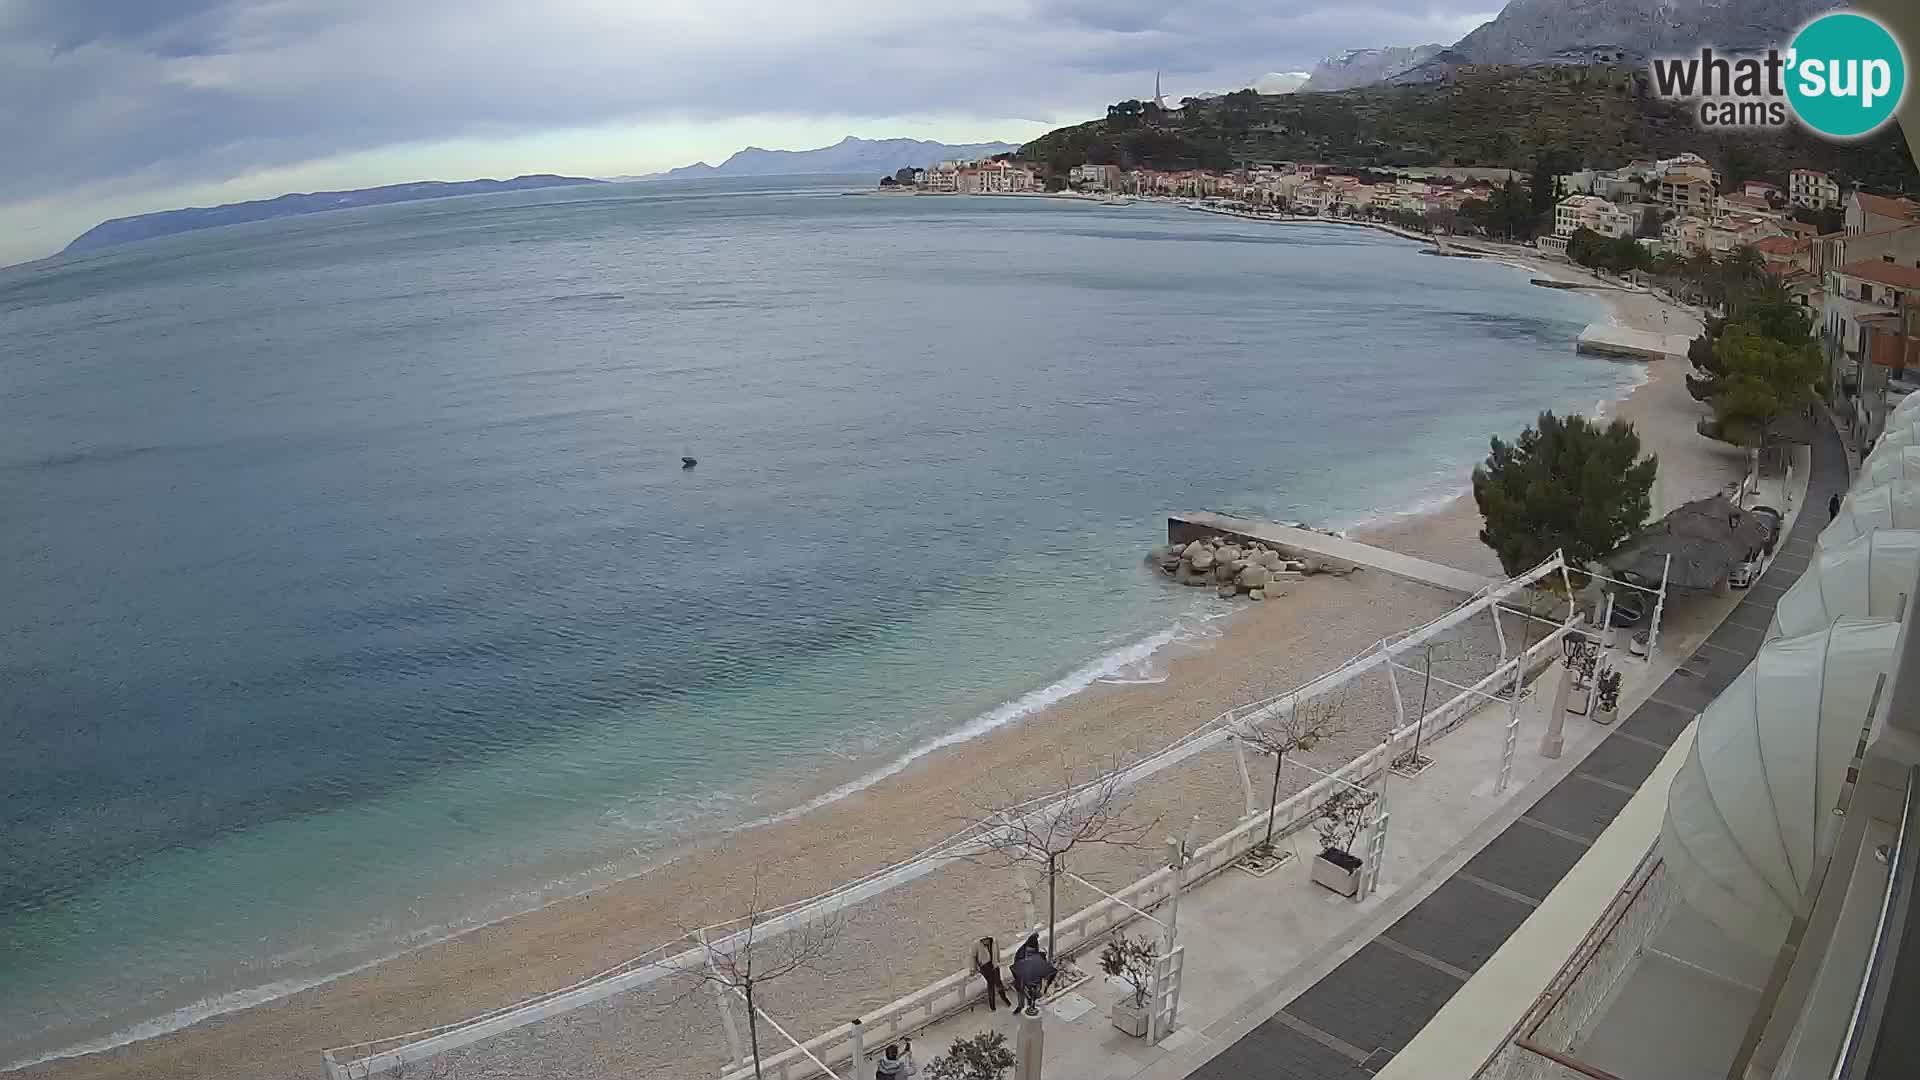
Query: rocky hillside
[(1530, 31), (1575, 31), (1561, 118), (1358, 67)]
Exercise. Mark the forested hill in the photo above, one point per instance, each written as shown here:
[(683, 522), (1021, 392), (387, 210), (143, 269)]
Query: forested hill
[(1559, 117)]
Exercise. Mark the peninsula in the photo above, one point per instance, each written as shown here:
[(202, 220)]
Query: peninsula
[(125, 230)]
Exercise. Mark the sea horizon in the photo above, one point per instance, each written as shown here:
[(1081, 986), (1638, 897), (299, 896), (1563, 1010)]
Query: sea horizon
[(957, 431)]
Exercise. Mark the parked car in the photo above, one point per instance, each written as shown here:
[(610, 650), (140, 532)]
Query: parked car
[(1772, 518), (1749, 568)]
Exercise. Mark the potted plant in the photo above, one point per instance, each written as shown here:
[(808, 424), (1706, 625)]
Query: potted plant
[(1339, 825), (1606, 704), (1130, 959)]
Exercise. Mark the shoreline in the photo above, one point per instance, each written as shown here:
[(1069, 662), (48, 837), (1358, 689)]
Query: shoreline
[(553, 944)]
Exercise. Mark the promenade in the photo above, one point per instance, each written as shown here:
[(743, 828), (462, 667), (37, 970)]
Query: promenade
[(1287, 981)]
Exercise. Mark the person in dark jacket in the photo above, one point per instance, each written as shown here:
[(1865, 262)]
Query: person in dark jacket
[(1031, 945), (1029, 972), (986, 962), (1833, 507)]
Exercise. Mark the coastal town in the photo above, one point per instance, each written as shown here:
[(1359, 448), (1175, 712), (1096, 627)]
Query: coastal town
[(1849, 257)]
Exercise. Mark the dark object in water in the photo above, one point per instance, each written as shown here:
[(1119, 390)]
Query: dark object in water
[(688, 463)]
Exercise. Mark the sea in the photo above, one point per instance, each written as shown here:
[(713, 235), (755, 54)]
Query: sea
[(355, 592)]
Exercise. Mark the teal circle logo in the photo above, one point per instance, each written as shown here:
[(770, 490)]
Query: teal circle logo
[(1846, 75)]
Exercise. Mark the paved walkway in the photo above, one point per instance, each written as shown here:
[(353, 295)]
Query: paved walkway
[(1334, 547), (1350, 1023)]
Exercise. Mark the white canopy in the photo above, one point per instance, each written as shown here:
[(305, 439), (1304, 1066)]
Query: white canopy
[(1866, 576), (1888, 463), (1750, 813), (1892, 505), (1901, 430), (1907, 409)]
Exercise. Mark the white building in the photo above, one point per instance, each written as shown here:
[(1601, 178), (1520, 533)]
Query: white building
[(1814, 189), (1576, 212)]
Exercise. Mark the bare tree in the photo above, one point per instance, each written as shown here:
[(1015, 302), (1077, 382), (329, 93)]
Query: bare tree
[(752, 952), (1293, 725), (1413, 760), (1041, 832)]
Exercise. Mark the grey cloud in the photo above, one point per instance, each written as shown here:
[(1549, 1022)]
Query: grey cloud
[(171, 91)]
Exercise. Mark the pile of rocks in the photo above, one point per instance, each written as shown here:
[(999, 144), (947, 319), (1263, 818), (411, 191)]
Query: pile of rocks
[(1231, 566)]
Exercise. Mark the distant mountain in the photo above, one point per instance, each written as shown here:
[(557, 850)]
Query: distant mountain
[(849, 155), (1582, 32), (126, 230), (1532, 31), (1361, 67)]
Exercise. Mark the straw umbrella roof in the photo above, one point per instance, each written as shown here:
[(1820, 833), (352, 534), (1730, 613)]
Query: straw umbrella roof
[(1707, 539)]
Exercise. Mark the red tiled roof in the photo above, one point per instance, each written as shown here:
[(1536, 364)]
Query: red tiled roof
[(1881, 206), (1799, 228), (1777, 245), (1754, 201), (1886, 273)]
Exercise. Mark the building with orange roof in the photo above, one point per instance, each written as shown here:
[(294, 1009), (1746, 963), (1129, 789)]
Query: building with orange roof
[(1785, 254), (1875, 213)]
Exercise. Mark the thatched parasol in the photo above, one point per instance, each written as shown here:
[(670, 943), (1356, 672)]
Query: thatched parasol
[(1707, 539)]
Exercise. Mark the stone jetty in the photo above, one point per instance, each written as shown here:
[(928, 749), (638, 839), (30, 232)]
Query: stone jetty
[(1236, 567)]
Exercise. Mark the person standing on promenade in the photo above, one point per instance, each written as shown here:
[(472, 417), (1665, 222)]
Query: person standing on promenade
[(986, 961), (1833, 506), (1029, 972)]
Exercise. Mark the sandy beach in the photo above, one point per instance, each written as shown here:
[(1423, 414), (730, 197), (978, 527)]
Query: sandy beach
[(923, 931)]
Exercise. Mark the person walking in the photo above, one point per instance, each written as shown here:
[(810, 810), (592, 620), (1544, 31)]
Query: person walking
[(1030, 971), (1833, 506), (986, 961)]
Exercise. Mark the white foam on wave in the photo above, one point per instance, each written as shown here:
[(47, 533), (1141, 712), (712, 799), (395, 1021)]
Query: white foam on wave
[(1131, 663), (187, 1016)]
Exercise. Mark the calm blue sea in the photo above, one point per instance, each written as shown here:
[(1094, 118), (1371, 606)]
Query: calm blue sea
[(354, 593)]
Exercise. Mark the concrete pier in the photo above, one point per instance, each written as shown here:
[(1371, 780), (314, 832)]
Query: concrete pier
[(1606, 339), (1187, 527)]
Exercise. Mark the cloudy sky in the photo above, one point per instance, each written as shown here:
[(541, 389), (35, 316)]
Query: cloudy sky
[(125, 106)]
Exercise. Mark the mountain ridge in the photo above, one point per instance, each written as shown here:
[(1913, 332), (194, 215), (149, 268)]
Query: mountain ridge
[(1360, 67), (1571, 31), (849, 155), (136, 227)]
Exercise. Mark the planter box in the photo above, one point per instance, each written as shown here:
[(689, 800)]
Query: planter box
[(1338, 871), (1129, 1017), (1604, 716), (1579, 700)]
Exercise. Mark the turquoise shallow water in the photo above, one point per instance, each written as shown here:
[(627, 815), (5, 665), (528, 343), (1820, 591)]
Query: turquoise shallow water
[(357, 594)]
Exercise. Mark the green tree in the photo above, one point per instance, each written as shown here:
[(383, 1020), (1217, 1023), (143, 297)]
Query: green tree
[(1763, 380), (1569, 485)]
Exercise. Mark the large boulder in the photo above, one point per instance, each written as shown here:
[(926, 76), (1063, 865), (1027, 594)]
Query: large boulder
[(1254, 577), (1223, 573), (1227, 552), (1194, 548), (1201, 560), (1257, 594), (1270, 558), (1228, 592), (1186, 575)]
